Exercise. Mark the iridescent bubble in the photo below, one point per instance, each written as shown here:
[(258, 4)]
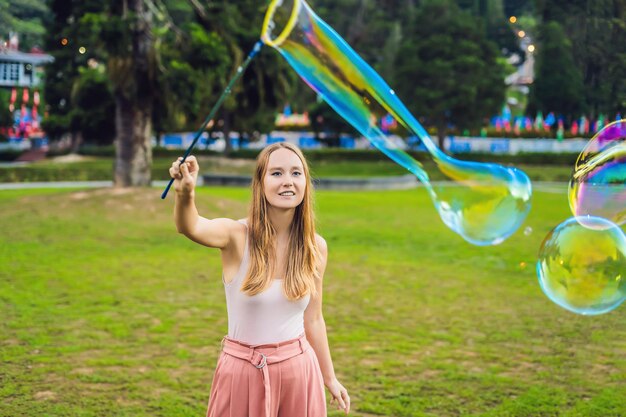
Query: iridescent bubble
[(598, 185), (583, 269), (484, 203), (528, 231)]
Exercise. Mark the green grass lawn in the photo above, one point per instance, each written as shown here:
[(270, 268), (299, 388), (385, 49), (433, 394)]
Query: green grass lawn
[(107, 311), (102, 169)]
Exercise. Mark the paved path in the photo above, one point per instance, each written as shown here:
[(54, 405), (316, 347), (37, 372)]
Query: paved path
[(549, 187), (65, 184)]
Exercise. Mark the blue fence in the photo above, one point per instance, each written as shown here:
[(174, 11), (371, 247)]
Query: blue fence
[(307, 140)]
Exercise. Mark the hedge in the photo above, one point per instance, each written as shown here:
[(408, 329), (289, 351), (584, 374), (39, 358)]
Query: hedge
[(336, 155), (9, 155)]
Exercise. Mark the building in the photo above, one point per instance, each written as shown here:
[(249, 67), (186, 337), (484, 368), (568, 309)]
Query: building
[(20, 69)]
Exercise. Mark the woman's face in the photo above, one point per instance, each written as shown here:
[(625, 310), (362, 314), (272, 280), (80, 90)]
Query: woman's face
[(284, 180)]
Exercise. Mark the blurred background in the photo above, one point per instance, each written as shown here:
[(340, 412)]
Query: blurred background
[(80, 77)]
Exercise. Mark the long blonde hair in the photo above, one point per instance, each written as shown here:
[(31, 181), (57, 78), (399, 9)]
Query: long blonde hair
[(303, 252)]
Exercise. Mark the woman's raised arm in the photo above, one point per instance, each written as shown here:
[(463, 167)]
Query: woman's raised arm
[(215, 233)]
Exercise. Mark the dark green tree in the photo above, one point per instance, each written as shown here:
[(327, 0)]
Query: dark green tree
[(159, 65), (495, 23), (6, 118), (267, 82), (25, 17), (596, 30), (372, 28), (447, 71), (93, 108), (193, 68), (119, 34), (63, 41), (558, 83)]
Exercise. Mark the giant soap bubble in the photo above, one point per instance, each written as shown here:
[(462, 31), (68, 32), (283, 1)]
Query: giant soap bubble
[(598, 185), (487, 202), (582, 265)]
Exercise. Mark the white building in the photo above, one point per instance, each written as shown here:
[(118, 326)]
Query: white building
[(20, 69)]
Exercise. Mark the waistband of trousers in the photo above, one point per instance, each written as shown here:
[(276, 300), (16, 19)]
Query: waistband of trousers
[(266, 354)]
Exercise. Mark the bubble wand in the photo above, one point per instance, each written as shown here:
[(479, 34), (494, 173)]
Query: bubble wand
[(216, 106)]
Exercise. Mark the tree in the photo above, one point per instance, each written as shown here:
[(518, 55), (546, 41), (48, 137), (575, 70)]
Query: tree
[(596, 30), (122, 33), (451, 68), (6, 118), (159, 66), (558, 85), (372, 28), (267, 82), (132, 70), (93, 107), (65, 37), (193, 65), (193, 68), (25, 17), (495, 23)]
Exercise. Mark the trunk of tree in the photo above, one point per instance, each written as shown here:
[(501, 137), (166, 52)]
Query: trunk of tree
[(77, 140), (133, 109), (132, 146)]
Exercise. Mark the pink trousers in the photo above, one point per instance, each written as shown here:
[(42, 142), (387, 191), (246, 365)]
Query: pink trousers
[(273, 380)]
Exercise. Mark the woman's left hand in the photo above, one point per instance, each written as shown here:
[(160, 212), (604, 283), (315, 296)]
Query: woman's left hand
[(340, 395)]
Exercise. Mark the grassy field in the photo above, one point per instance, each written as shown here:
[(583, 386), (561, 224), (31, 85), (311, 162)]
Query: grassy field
[(107, 311), (93, 169)]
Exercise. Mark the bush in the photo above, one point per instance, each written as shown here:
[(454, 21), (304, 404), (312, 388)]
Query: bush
[(157, 152), (92, 150), (55, 151), (537, 158), (160, 152), (9, 155), (360, 155)]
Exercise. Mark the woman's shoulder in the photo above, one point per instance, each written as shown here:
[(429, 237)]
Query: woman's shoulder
[(230, 222), (231, 226), (321, 244)]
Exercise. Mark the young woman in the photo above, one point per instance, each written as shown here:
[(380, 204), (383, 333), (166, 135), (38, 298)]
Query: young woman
[(275, 359)]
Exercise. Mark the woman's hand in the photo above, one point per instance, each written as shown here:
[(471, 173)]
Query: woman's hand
[(185, 175), (340, 395)]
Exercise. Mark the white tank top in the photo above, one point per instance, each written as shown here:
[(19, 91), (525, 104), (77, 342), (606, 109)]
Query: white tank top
[(267, 317)]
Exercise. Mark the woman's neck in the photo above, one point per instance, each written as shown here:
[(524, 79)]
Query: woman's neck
[(281, 220)]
